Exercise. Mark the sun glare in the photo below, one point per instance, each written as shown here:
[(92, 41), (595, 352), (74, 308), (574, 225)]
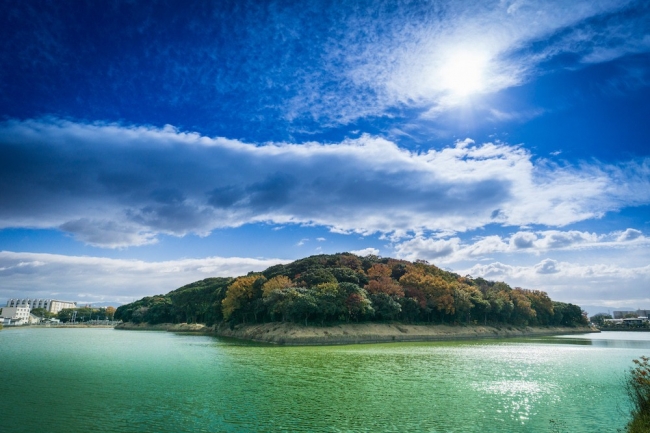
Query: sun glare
[(464, 73)]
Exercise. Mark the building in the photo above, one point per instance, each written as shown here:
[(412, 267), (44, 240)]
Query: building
[(629, 322), (637, 313), (635, 321), (51, 305), (15, 315)]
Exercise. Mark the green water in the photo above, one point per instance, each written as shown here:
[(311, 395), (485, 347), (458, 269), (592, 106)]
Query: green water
[(101, 380)]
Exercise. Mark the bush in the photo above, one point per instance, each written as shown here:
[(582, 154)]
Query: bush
[(638, 389)]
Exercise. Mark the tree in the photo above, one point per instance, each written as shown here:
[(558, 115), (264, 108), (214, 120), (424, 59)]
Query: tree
[(238, 294), (65, 315), (303, 305), (276, 283), (543, 306), (329, 288), (345, 275), (385, 285), (110, 312), (439, 293), (599, 319), (522, 314), (42, 313), (568, 315), (327, 301), (386, 308), (355, 301), (314, 277), (140, 315)]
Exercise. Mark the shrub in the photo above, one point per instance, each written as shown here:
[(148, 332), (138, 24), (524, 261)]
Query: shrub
[(638, 389)]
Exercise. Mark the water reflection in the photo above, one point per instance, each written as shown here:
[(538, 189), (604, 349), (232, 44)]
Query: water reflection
[(618, 340)]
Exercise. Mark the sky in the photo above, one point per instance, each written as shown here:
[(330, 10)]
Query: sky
[(146, 145)]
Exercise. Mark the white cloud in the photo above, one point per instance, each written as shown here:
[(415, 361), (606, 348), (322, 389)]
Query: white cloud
[(553, 239), (366, 252), (547, 266), (596, 284), (101, 279), (454, 250), (522, 240), (629, 235), (113, 186), (428, 249)]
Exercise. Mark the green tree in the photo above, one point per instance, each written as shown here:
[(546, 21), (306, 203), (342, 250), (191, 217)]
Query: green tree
[(65, 315), (599, 319), (42, 313), (386, 308)]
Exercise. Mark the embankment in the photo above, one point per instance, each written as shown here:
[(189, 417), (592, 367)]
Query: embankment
[(294, 334), (170, 327)]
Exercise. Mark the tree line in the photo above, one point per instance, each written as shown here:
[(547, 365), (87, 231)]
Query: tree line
[(84, 314), (347, 288)]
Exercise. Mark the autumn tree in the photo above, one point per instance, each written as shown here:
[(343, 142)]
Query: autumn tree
[(380, 281), (238, 294), (523, 313), (276, 283), (543, 306)]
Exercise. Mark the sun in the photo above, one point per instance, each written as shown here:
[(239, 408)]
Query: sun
[(464, 73)]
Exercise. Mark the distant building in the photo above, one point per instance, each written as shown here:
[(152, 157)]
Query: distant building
[(51, 305), (635, 322), (637, 313), (15, 315), (630, 321)]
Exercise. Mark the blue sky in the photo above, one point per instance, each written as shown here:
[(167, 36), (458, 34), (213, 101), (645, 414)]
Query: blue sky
[(145, 146)]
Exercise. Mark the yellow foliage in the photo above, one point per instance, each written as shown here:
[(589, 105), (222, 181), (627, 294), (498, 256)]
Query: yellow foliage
[(327, 288), (276, 283), (434, 287), (240, 290)]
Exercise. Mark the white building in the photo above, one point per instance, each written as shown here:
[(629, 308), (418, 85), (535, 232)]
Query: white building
[(16, 315), (51, 305)]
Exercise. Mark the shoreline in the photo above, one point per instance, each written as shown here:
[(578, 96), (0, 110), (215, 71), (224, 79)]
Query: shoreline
[(294, 334)]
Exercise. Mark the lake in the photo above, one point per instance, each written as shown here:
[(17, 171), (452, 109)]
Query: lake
[(103, 380)]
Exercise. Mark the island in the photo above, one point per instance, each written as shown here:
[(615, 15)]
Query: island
[(343, 299)]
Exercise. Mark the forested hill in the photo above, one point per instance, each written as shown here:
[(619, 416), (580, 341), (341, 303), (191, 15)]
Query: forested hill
[(345, 287)]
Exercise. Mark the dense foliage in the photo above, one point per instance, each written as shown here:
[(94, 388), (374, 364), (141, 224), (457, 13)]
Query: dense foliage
[(345, 287), (83, 314), (198, 302), (638, 388)]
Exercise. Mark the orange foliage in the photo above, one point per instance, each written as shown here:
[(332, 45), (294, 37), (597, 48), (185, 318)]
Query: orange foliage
[(385, 285), (379, 270)]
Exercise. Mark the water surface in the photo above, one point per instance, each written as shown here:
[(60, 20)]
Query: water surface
[(61, 380)]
